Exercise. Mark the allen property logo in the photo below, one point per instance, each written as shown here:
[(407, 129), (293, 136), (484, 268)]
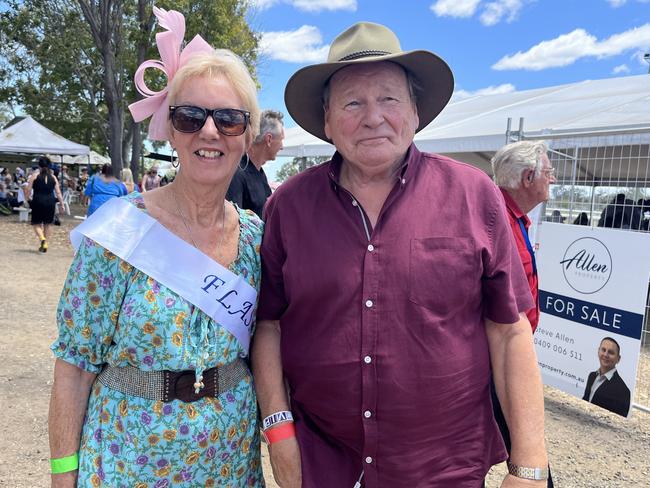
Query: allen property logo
[(587, 265)]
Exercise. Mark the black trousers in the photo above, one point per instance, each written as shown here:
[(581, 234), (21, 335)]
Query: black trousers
[(503, 427)]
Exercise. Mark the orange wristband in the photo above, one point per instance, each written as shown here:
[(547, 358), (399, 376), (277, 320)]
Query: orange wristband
[(279, 432)]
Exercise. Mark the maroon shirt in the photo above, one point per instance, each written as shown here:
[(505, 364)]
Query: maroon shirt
[(383, 341), (514, 214)]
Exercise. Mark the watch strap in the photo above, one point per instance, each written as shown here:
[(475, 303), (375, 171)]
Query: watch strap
[(536, 474)]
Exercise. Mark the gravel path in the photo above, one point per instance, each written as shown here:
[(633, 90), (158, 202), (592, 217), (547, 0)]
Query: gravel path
[(588, 447)]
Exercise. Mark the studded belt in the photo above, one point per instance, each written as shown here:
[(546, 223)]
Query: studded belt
[(166, 385)]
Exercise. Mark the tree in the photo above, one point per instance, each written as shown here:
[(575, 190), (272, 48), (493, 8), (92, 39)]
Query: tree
[(70, 63), (53, 76), (296, 165)]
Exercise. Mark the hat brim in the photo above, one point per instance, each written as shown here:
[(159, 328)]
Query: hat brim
[(303, 95)]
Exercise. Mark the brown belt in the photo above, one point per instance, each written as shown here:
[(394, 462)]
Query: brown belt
[(166, 385)]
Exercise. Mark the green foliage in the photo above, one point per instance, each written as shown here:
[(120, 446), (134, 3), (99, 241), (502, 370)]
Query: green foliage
[(296, 165), (51, 67)]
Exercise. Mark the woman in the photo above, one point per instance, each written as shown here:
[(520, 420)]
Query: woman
[(43, 202), (116, 319), (127, 180), (101, 188)]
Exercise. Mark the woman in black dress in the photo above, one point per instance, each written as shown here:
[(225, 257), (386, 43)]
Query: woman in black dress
[(43, 201)]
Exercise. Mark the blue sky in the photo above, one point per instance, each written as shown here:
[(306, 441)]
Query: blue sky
[(491, 45)]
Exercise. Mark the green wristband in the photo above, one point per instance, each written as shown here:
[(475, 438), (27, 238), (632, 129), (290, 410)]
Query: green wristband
[(65, 464)]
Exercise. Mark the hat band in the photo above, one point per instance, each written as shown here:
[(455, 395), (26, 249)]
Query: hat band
[(363, 54)]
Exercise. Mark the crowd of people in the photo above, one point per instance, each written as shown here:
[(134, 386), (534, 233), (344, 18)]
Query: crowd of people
[(350, 319)]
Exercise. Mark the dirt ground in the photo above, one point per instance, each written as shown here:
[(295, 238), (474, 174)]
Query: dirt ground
[(588, 447)]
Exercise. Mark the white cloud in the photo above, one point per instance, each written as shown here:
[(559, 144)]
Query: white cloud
[(639, 56), (304, 45), (495, 11), (568, 48), (616, 3), (621, 68), (318, 5), (263, 4), (308, 5), (455, 8), (490, 90)]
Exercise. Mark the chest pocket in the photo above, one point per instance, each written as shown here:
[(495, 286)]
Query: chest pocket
[(443, 273)]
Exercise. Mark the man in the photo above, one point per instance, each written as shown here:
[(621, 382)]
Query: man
[(605, 387), (523, 173), (381, 307), (249, 188)]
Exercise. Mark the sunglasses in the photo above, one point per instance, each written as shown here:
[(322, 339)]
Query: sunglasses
[(229, 121)]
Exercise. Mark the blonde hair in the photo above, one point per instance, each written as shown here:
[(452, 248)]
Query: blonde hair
[(226, 64), (127, 175)]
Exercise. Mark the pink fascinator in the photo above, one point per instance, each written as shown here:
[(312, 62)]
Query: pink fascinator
[(172, 57)]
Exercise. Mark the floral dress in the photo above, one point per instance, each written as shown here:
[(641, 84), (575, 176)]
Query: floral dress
[(112, 313)]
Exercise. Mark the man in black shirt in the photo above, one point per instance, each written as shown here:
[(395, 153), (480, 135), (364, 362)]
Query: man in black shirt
[(249, 187)]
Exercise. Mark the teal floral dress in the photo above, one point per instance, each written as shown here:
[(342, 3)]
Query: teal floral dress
[(112, 313)]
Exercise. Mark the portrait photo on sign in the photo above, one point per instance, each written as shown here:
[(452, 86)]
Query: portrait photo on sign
[(605, 386)]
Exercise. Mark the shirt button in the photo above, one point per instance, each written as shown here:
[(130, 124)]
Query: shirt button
[(368, 460), (367, 414), (368, 303), (367, 360), (371, 247)]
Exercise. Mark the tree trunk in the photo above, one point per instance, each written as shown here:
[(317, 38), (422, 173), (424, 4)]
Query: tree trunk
[(146, 22), (105, 20)]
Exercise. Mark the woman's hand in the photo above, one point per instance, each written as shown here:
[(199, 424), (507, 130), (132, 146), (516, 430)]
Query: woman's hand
[(65, 480), (285, 461)]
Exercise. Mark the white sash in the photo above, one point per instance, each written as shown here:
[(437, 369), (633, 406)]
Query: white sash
[(144, 243)]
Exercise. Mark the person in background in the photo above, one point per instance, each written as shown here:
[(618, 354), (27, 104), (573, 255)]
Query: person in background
[(82, 182), (582, 219), (556, 216), (42, 192), (605, 387), (65, 181), (5, 205), (151, 385), (249, 187), (102, 187), (127, 179), (391, 292), (621, 213), (523, 173), (151, 180)]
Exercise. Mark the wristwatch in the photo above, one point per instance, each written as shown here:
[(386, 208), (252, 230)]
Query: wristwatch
[(536, 474)]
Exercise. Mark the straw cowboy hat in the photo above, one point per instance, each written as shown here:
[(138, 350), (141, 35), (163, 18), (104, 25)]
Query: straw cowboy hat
[(366, 42)]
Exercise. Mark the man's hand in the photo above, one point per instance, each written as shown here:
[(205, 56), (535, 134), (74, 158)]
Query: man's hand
[(285, 461), (513, 482)]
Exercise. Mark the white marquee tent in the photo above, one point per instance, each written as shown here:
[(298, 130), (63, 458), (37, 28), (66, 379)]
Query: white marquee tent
[(92, 158), (471, 130), (30, 137)]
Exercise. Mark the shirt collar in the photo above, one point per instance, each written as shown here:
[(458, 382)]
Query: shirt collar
[(609, 374), (407, 171), (513, 208)]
